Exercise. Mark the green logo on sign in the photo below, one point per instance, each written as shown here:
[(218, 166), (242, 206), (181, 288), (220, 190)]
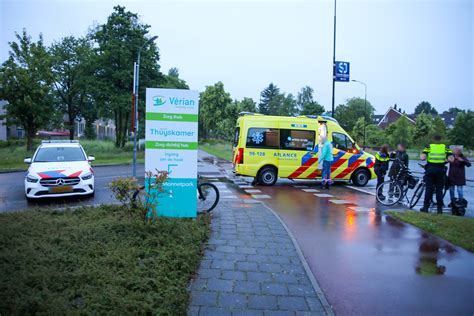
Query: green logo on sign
[(159, 100)]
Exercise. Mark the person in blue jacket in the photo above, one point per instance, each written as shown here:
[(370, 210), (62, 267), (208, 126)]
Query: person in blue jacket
[(325, 161)]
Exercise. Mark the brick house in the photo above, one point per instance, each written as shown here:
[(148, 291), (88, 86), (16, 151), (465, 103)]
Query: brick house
[(391, 116)]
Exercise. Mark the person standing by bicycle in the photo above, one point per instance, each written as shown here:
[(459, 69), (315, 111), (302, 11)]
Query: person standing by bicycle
[(435, 174), (399, 157), (382, 159), (457, 174)]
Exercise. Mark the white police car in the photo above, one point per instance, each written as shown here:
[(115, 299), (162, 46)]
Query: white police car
[(59, 168)]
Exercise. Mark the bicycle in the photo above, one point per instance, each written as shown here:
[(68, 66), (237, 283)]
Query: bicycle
[(394, 190), (207, 196), (420, 189)]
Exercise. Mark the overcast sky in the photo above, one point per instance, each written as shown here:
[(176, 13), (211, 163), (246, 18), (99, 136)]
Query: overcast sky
[(406, 51)]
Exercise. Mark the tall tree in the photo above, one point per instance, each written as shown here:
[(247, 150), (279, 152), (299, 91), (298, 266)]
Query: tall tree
[(425, 107), (454, 110), (400, 132), (306, 103), (247, 105), (226, 125), (374, 136), (212, 108), (423, 129), (439, 127), (287, 106), (118, 42), (25, 82), (173, 81), (347, 114), (71, 68), (270, 100), (461, 133)]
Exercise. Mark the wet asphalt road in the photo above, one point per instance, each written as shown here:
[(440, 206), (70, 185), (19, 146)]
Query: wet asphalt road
[(370, 264), (12, 194)]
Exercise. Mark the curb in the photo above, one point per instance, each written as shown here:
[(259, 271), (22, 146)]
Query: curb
[(317, 288)]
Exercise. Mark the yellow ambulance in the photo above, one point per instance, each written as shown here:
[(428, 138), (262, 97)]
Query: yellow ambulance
[(272, 147)]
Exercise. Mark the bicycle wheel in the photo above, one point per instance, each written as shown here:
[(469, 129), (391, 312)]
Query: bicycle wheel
[(389, 192), (420, 189), (208, 197)]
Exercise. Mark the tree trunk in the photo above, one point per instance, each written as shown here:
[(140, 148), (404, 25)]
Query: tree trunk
[(117, 129), (125, 127), (30, 135), (71, 128)]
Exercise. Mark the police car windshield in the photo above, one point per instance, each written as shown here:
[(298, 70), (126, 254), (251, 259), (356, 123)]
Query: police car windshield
[(59, 154)]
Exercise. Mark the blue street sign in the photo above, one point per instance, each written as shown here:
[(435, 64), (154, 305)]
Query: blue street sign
[(341, 71)]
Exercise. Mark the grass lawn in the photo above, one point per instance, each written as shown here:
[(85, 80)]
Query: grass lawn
[(104, 151), (218, 148), (97, 261), (458, 230)]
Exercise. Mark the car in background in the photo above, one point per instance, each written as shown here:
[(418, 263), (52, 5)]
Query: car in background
[(58, 169)]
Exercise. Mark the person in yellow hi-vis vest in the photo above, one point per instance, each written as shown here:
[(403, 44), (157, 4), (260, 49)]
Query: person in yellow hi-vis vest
[(436, 155)]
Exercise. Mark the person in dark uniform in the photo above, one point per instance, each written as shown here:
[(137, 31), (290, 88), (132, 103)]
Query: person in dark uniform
[(382, 159), (435, 172), (399, 157)]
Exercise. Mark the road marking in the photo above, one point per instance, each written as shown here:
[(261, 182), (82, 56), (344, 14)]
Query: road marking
[(253, 191), (323, 195), (361, 190), (228, 197), (246, 186), (310, 190), (250, 201), (300, 186), (340, 202), (360, 209), (261, 196), (217, 184), (224, 191)]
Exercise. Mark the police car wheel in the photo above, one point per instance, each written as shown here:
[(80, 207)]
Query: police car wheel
[(267, 176), (360, 177)]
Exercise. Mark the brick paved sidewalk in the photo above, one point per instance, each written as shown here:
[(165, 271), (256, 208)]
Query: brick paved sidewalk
[(251, 267)]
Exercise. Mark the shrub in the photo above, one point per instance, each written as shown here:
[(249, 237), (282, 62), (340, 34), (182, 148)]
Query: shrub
[(140, 201)]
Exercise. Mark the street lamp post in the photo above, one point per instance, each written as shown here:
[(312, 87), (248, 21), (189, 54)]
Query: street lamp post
[(334, 61), (365, 105), (136, 78)]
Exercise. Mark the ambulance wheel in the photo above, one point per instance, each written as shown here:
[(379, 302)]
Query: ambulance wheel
[(360, 177), (267, 176)]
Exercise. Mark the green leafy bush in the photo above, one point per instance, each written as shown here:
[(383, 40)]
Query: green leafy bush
[(140, 201)]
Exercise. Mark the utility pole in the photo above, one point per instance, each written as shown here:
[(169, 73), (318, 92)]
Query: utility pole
[(334, 60), (365, 105), (136, 78)]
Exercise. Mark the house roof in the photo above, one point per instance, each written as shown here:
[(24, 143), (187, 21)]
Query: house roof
[(391, 116)]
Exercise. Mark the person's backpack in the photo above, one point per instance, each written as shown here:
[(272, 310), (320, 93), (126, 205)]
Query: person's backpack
[(458, 207)]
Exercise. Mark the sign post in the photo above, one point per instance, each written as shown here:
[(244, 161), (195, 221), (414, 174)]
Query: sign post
[(171, 142), (342, 71)]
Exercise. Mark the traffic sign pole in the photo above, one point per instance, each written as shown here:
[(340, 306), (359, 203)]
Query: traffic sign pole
[(334, 61)]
